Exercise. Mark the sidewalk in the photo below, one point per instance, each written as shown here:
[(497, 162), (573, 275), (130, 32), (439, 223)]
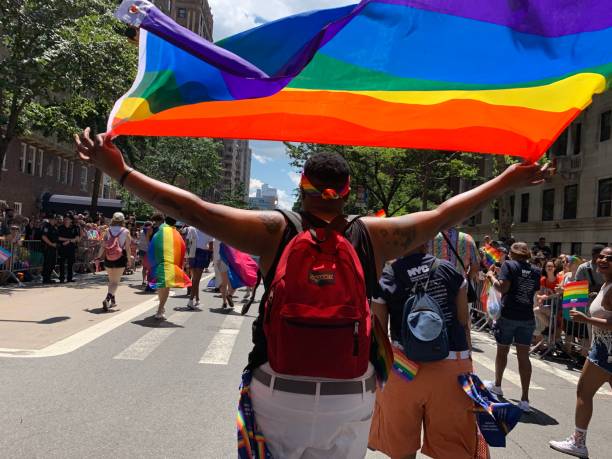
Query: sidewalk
[(37, 316)]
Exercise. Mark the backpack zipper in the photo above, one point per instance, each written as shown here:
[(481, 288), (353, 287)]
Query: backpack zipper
[(356, 339)]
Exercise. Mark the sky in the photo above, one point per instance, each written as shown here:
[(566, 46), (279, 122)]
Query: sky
[(270, 163)]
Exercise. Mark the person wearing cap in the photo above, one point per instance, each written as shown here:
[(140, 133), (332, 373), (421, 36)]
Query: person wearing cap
[(50, 240), (68, 237), (518, 281), (433, 400), (115, 268)]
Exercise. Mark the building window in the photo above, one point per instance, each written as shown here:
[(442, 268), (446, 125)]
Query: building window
[(604, 199), (40, 163), (524, 207), (22, 158), (181, 13), (71, 173), (555, 248), (18, 207), (604, 127), (512, 204), (577, 139), (31, 163), (4, 162), (59, 170), (570, 202), (576, 248), (560, 146), (65, 171), (548, 205), (83, 178)]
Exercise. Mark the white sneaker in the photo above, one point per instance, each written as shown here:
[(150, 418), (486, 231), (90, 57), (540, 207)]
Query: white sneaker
[(190, 304), (524, 406), (495, 390), (160, 316), (568, 446)]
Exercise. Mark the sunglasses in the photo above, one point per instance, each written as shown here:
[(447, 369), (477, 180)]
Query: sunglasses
[(608, 258)]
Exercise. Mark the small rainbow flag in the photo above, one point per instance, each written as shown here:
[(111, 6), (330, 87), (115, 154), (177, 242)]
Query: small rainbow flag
[(575, 295), (4, 255), (381, 214), (166, 256), (492, 255), (382, 353), (403, 366)]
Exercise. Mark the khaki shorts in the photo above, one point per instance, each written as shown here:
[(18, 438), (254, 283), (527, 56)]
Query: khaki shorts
[(434, 402)]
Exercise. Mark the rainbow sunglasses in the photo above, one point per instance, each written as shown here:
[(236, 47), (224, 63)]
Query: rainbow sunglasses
[(328, 193)]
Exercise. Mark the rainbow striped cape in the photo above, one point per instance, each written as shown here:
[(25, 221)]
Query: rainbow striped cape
[(491, 76), (166, 256)]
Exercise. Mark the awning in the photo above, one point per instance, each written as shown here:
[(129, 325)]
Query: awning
[(60, 203)]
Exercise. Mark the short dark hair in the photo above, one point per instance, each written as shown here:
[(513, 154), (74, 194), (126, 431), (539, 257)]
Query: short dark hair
[(328, 169), (597, 248), (157, 217), (170, 221)]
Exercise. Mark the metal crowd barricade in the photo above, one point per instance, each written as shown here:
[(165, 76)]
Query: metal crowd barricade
[(478, 309), (87, 251), (25, 262), (555, 322)]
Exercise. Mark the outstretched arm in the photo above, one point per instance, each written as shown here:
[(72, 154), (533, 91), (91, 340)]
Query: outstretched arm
[(254, 232), (394, 237)]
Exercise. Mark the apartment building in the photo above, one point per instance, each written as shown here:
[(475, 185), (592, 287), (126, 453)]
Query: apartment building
[(236, 163), (266, 198), (39, 174), (572, 211), (192, 14)]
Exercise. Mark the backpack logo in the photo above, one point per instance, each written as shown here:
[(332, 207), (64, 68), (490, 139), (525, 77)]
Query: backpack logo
[(322, 278)]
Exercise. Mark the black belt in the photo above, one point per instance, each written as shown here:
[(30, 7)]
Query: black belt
[(294, 386)]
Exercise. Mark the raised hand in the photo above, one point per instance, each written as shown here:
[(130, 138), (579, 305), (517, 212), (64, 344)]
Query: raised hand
[(522, 175), (101, 153)]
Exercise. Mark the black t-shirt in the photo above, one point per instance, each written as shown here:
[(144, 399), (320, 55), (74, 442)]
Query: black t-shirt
[(359, 237), (51, 232), (524, 283), (398, 280), (69, 233)]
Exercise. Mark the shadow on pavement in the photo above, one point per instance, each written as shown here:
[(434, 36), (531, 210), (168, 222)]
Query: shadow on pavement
[(152, 322), (49, 321), (101, 311), (537, 417), (224, 311), (476, 349)]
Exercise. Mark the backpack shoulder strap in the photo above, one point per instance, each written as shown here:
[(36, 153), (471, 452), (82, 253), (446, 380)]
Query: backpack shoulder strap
[(294, 218)]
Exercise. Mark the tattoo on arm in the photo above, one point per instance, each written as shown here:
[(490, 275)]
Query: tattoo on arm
[(402, 238), (271, 222)]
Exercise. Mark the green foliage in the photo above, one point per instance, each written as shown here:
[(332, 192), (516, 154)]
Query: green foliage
[(398, 181), (63, 64), (236, 199)]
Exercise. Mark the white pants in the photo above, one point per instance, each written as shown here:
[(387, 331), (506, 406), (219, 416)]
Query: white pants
[(300, 426)]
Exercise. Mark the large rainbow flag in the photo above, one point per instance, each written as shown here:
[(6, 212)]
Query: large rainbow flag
[(491, 76), (166, 256)]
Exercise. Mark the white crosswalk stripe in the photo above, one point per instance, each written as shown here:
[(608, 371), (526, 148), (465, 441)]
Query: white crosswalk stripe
[(142, 348), (220, 348)]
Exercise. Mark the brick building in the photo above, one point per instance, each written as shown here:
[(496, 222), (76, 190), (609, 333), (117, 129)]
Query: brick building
[(37, 170)]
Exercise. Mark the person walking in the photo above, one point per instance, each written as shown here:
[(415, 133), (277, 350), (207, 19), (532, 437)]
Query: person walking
[(50, 239), (222, 277), (166, 257), (301, 411), (518, 281), (597, 369), (68, 236), (115, 248), (587, 271), (198, 256), (432, 401), (143, 247)]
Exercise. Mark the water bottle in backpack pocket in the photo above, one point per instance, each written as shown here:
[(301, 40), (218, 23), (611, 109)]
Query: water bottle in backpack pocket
[(424, 335)]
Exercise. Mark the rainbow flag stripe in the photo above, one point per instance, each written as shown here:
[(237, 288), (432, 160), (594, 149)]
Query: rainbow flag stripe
[(166, 256), (492, 255), (403, 366), (4, 255), (382, 352), (487, 76), (576, 295)]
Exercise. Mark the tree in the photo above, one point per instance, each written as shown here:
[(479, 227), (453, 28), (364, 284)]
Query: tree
[(397, 181), (63, 63), (235, 198)]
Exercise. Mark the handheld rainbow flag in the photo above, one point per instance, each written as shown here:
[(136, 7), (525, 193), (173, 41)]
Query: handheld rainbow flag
[(4, 255), (488, 76), (403, 366), (381, 352), (575, 295), (492, 255), (165, 257)]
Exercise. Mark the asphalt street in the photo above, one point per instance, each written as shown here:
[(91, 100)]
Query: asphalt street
[(145, 390)]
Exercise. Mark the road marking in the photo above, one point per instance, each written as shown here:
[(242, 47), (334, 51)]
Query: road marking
[(141, 349), (80, 339), (509, 375), (220, 348)]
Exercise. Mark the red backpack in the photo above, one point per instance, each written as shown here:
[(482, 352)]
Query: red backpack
[(317, 315), (112, 249)]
